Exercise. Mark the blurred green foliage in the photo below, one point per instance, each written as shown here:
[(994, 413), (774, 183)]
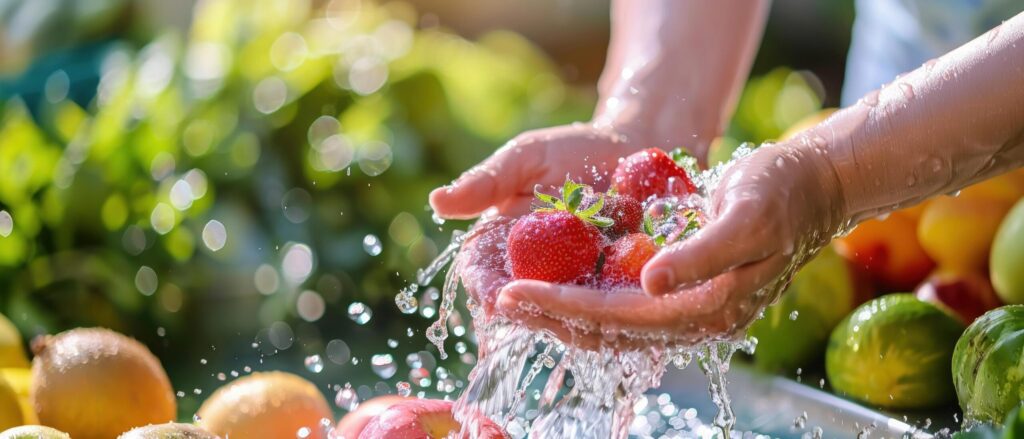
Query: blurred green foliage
[(305, 130)]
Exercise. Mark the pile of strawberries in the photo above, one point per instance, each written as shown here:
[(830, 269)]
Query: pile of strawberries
[(605, 239)]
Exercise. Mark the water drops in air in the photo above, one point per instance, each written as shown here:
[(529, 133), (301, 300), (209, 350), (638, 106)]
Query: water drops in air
[(383, 365), (214, 235), (371, 244), (404, 389), (314, 363), (6, 223), (360, 313), (392, 343), (793, 315), (346, 398)]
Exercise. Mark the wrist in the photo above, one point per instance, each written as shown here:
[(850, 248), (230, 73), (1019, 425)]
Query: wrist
[(650, 119)]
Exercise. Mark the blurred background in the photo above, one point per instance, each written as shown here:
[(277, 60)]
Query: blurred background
[(242, 185)]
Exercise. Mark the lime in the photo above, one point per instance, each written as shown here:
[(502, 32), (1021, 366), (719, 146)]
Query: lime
[(894, 352), (795, 330)]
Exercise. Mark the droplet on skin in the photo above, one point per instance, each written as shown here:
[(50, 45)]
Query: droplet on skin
[(870, 99), (907, 89)]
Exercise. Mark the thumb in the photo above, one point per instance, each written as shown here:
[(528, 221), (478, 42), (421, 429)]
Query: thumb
[(488, 184)]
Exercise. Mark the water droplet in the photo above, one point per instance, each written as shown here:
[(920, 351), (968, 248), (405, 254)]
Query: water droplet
[(346, 398), (296, 205), (310, 306), (314, 363), (359, 313), (460, 347), (297, 263), (779, 162), (436, 218), (372, 245), (907, 89), (338, 352), (303, 433), (162, 218), (406, 301), (6, 224), (793, 315), (392, 343), (870, 99), (146, 280), (383, 365), (374, 158), (214, 235), (195, 418), (181, 195), (266, 279), (404, 389)]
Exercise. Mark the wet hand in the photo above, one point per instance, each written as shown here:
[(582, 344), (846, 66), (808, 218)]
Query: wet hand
[(772, 211), (506, 180)]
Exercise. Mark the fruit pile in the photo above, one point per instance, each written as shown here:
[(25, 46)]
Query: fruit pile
[(885, 308), (604, 239), (93, 383)]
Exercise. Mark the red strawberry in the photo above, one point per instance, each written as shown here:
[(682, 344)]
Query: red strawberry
[(626, 211), (626, 257), (651, 172), (560, 243)]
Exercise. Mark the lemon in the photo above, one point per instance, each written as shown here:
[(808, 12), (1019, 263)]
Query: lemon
[(33, 432), (168, 431), (12, 352)]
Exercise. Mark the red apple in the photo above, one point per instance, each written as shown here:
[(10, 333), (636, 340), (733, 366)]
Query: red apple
[(353, 423), (967, 293), (423, 419)]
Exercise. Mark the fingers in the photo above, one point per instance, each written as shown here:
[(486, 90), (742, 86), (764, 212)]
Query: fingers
[(488, 184), (727, 242), (589, 318)]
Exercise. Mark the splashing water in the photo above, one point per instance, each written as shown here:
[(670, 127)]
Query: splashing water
[(576, 392)]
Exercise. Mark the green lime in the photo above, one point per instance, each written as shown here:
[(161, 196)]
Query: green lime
[(33, 432), (795, 330), (894, 352)]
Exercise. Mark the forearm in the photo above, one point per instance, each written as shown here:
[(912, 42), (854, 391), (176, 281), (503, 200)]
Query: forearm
[(675, 67), (952, 122)]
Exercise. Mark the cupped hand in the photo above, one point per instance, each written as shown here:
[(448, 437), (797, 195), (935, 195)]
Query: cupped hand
[(771, 212), (585, 152)]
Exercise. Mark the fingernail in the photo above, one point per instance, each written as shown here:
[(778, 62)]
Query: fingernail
[(659, 280)]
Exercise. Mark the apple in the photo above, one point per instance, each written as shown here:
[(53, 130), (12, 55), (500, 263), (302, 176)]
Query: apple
[(352, 424), (968, 294), (424, 419)]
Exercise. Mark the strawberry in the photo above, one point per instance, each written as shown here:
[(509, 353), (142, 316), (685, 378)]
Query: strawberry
[(559, 243), (651, 172), (626, 257), (626, 211)]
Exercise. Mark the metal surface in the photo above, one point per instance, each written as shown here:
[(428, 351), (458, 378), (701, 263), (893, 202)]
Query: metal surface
[(769, 405)]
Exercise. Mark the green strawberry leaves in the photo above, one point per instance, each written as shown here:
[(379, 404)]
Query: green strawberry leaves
[(684, 160), (572, 198)]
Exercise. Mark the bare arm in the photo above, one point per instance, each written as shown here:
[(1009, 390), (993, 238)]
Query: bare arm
[(954, 121), (671, 79), (672, 73)]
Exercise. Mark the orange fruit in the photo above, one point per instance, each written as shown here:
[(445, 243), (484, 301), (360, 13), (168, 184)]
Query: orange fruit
[(267, 404), (96, 383)]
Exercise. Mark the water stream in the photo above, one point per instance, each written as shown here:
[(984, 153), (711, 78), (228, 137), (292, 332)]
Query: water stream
[(531, 382)]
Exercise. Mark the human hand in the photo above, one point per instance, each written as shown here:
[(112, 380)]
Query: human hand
[(506, 180), (772, 210)]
